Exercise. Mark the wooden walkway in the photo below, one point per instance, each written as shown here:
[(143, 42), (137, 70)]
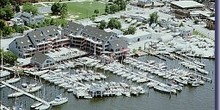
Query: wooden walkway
[(26, 93)]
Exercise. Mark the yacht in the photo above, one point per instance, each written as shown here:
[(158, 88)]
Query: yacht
[(4, 73), (15, 94), (13, 80), (32, 87), (59, 100), (36, 104), (43, 107)]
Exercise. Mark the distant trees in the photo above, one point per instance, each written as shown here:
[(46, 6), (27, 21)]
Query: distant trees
[(8, 57), (117, 5), (17, 8), (153, 18), (7, 12), (131, 30), (30, 8), (96, 12), (102, 25), (114, 23), (59, 9)]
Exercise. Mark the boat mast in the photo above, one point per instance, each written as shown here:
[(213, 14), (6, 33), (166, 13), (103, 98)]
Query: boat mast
[(1, 51)]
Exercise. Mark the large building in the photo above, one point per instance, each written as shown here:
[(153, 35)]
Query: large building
[(96, 41), (182, 9), (39, 40), (90, 39)]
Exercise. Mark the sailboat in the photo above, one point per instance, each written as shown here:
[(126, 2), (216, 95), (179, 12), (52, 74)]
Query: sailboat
[(32, 87), (59, 100), (39, 105), (14, 79)]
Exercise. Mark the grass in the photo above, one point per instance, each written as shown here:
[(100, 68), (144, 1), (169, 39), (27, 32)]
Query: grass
[(85, 9), (198, 33)]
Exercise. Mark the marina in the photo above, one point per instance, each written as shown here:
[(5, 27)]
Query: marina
[(92, 80)]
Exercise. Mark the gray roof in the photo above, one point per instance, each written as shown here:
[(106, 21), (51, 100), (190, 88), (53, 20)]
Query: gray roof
[(36, 35), (23, 41), (97, 33), (40, 58), (75, 27), (49, 30), (118, 43)]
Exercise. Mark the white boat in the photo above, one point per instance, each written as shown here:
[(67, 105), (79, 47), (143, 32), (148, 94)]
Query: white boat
[(161, 89), (203, 71), (13, 80), (36, 104), (32, 88), (59, 100), (4, 73), (15, 94), (43, 107)]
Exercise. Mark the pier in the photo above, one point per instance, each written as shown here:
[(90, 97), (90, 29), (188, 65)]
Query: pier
[(26, 93), (2, 107)]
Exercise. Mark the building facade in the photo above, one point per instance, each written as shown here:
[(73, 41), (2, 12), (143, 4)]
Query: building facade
[(39, 40), (87, 38)]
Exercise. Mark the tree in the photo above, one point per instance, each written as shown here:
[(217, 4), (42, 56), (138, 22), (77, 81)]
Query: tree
[(17, 8), (114, 8), (113, 23), (181, 24), (3, 3), (18, 29), (153, 18), (63, 10), (9, 57), (102, 25), (96, 12), (2, 24), (131, 30), (8, 12), (7, 30), (107, 9), (55, 8), (28, 7), (196, 21)]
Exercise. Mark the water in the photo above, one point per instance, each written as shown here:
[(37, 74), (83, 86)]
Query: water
[(190, 98)]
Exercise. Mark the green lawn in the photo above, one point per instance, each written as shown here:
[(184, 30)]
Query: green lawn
[(85, 9)]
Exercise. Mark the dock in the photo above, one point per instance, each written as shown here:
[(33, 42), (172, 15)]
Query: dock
[(26, 93), (2, 107)]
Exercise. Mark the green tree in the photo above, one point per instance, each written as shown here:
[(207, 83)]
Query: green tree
[(96, 12), (56, 8), (2, 24), (18, 29), (9, 13), (196, 21), (7, 30), (64, 10), (102, 25), (114, 8), (181, 24), (28, 7), (3, 3), (153, 18), (17, 8), (107, 10), (9, 57), (113, 23), (131, 30)]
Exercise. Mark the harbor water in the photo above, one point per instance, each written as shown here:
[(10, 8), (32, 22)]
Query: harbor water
[(190, 98)]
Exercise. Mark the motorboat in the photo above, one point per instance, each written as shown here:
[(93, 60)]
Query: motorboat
[(15, 94), (4, 73), (59, 100), (13, 80), (32, 87), (36, 104), (43, 107)]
